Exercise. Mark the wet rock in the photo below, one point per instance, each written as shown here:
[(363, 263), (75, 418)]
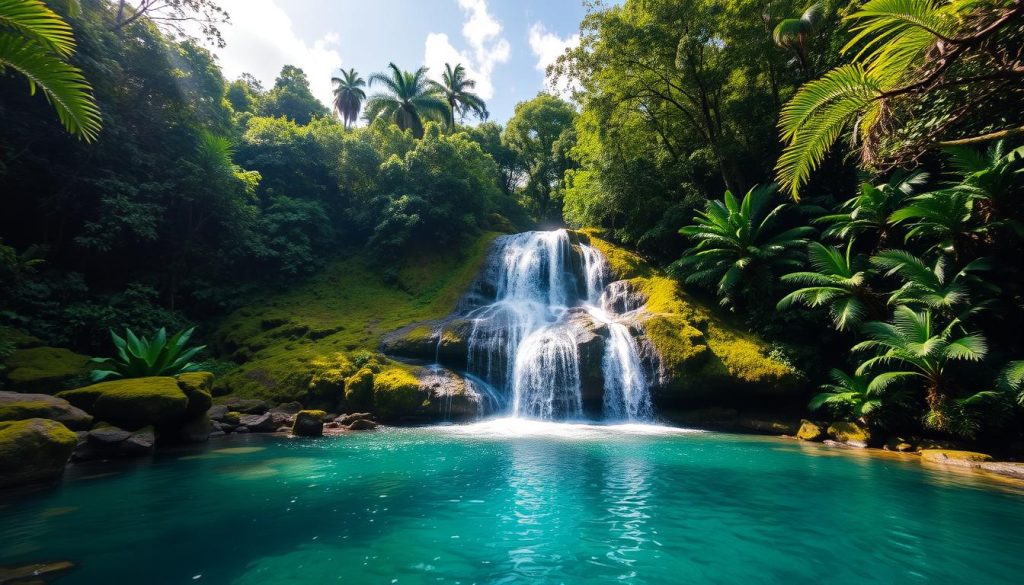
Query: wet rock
[(451, 396), (108, 435), (18, 406), (110, 442), (195, 431), (257, 423), (347, 419), (810, 431), (34, 450), (954, 458), (282, 419), (849, 433), (140, 443), (362, 425), (218, 412), (242, 429), (1004, 468), (590, 336), (309, 423), (21, 574)]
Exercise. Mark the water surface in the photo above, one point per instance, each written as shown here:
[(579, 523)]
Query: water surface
[(507, 502)]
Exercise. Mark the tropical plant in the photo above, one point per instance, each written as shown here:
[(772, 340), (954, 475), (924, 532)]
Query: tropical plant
[(952, 54), (914, 341), (934, 287), (943, 218), (869, 211), (738, 244), (1010, 381), (409, 100), (454, 87), (838, 282), (142, 357), (794, 34), (857, 395), (37, 43), (348, 96)]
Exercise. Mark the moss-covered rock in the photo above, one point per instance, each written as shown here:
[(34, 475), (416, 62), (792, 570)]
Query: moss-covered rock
[(45, 369), (359, 390), (396, 393), (33, 450), (768, 425), (954, 458), (810, 431), (18, 406), (309, 423), (287, 345), (18, 338), (133, 403), (197, 387), (850, 433)]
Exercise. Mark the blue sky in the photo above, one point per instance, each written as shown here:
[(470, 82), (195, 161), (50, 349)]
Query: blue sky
[(503, 43)]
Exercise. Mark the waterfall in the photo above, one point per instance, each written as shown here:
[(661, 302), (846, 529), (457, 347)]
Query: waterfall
[(525, 343)]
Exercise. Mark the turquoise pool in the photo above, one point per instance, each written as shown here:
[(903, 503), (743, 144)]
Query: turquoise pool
[(508, 502)]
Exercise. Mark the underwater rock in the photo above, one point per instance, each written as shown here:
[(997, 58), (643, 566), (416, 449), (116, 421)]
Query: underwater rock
[(18, 406), (34, 450)]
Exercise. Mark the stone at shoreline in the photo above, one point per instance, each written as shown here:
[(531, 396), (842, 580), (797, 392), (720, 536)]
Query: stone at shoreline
[(242, 429), (810, 431), (362, 424), (18, 406), (196, 430), (34, 450), (257, 423), (110, 442), (133, 403), (347, 419), (309, 423), (849, 433), (245, 405), (898, 444), (217, 412), (954, 458), (1004, 468)]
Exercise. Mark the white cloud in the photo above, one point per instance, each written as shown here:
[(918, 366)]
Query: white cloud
[(486, 47), (261, 39), (548, 47)]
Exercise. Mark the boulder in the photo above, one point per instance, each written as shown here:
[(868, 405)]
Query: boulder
[(256, 423), (396, 393), (347, 419), (449, 395), (359, 389), (589, 335), (45, 369), (197, 386), (110, 442), (309, 423), (898, 445), (954, 458), (232, 419), (218, 412), (196, 430), (18, 406), (133, 403), (362, 424), (849, 433), (34, 450), (810, 431)]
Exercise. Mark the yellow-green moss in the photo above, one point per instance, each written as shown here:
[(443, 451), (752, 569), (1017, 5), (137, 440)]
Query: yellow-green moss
[(133, 403), (849, 432), (33, 450), (17, 338), (953, 457), (351, 304), (329, 374), (396, 392), (45, 369), (623, 263), (359, 389)]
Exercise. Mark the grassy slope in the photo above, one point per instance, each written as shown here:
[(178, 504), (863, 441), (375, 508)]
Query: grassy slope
[(286, 339)]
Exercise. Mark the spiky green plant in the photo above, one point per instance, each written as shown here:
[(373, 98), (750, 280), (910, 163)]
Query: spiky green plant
[(839, 281), (936, 287), (913, 341), (141, 357), (37, 43), (738, 244), (869, 211), (1010, 381), (409, 99)]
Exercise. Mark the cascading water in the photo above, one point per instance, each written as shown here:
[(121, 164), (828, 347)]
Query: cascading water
[(525, 343)]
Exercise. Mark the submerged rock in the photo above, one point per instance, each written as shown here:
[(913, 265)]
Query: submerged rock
[(18, 406), (33, 450)]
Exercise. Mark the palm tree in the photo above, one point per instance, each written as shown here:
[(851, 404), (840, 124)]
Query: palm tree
[(37, 43), (1011, 381), (934, 287), (913, 341), (348, 96), (944, 218), (837, 282), (795, 34), (859, 395), (738, 246), (905, 52), (409, 100), (455, 89), (868, 213)]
